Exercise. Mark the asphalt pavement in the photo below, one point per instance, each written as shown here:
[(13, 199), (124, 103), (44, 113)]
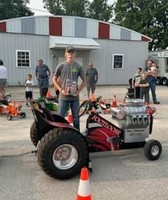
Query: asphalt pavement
[(122, 175)]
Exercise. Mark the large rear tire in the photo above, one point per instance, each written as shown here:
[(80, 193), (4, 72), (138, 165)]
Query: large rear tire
[(34, 134), (62, 153)]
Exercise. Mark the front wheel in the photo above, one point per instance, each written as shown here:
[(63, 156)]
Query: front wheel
[(153, 149), (165, 81), (9, 117), (23, 114), (62, 153), (34, 136)]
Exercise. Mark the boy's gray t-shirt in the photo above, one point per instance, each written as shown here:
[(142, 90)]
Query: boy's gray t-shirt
[(71, 72)]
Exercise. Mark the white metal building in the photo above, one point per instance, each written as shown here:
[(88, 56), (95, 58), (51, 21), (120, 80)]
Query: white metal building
[(115, 51)]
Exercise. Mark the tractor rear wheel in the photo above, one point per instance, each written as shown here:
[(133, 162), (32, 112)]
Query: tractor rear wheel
[(62, 153)]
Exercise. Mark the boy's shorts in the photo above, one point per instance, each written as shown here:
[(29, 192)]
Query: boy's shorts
[(29, 94)]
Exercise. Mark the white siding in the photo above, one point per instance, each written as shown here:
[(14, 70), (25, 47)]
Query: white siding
[(135, 36), (135, 54), (41, 25), (115, 32), (92, 29), (68, 26), (38, 47), (14, 26)]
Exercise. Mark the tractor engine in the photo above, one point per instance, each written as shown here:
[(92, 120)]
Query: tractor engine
[(133, 120)]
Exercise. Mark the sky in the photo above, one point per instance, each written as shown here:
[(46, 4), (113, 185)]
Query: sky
[(37, 6)]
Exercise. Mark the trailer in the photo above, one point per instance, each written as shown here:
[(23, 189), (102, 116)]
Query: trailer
[(161, 60)]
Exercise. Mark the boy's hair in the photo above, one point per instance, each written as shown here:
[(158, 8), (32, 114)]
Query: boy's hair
[(140, 69), (30, 75), (1, 62)]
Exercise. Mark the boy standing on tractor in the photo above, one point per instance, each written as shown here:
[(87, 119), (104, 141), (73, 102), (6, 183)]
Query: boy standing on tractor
[(29, 90), (65, 80)]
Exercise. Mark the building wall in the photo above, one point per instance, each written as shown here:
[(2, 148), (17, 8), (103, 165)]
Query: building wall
[(70, 26), (134, 52), (38, 46)]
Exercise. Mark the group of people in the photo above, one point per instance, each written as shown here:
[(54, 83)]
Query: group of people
[(145, 80), (66, 81)]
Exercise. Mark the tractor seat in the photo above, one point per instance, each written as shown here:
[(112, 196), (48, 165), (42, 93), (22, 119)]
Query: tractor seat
[(52, 116)]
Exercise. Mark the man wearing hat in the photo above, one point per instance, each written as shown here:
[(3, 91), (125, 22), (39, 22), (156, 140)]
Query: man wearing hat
[(65, 80)]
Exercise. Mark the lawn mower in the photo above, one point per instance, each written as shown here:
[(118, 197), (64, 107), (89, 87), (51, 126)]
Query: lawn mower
[(11, 108), (62, 150)]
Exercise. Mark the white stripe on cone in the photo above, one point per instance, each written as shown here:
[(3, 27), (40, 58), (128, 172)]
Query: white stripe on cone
[(84, 188)]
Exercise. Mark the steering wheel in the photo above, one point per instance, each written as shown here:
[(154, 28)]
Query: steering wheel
[(88, 105), (84, 106)]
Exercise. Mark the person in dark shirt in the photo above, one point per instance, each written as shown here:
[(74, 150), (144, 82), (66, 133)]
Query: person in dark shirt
[(144, 88), (92, 78), (42, 74), (151, 77)]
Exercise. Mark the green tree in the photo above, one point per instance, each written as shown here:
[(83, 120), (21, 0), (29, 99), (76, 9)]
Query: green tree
[(148, 17), (67, 7), (14, 8), (99, 9)]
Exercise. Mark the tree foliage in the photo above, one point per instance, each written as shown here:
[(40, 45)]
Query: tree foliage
[(149, 17), (67, 7), (97, 9), (13, 8)]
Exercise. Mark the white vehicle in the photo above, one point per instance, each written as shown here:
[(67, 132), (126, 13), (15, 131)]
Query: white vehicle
[(161, 59)]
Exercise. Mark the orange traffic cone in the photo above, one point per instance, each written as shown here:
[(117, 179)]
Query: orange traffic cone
[(48, 95), (84, 186), (70, 118), (92, 97), (114, 102)]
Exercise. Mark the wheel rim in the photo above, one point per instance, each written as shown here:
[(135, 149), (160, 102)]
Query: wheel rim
[(65, 156), (155, 150)]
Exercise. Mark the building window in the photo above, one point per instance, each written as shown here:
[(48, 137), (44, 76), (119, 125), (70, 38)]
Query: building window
[(117, 61), (23, 58)]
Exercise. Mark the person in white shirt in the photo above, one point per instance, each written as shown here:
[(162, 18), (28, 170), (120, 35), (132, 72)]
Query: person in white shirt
[(3, 77), (29, 90)]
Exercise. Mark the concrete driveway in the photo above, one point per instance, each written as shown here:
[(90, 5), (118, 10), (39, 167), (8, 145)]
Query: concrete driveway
[(122, 175)]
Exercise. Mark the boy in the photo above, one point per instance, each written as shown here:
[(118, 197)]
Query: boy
[(65, 80), (136, 81), (144, 85), (28, 91)]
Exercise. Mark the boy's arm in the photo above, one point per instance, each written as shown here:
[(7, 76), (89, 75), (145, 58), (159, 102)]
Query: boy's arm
[(56, 83), (83, 84)]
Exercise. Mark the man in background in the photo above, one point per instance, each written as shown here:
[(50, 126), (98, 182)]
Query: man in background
[(42, 74), (92, 78), (151, 77), (3, 77)]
